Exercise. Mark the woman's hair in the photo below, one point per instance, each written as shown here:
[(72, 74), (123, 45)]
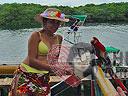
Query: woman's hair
[(44, 21)]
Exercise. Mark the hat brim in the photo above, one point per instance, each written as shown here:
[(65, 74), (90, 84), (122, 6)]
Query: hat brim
[(40, 18), (63, 20)]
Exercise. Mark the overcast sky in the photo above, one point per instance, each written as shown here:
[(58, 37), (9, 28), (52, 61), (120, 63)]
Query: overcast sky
[(62, 2)]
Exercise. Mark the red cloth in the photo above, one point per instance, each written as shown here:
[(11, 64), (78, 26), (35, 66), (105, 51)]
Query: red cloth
[(98, 48), (98, 44)]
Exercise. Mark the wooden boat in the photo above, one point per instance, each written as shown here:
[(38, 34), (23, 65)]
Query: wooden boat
[(7, 69)]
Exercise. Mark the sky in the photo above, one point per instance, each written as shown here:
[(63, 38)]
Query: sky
[(62, 2)]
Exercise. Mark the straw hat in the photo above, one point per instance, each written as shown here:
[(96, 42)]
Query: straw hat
[(52, 13)]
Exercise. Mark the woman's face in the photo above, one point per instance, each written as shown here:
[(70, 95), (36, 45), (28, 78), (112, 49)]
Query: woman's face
[(52, 25)]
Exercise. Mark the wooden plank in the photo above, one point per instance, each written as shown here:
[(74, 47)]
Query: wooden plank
[(7, 69), (53, 79), (7, 81)]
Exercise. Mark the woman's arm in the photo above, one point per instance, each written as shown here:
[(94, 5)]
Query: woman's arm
[(33, 53)]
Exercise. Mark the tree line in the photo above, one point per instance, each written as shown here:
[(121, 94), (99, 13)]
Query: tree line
[(19, 16)]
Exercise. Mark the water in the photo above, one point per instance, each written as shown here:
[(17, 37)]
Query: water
[(13, 44)]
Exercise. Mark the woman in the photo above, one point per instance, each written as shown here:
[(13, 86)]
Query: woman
[(32, 76)]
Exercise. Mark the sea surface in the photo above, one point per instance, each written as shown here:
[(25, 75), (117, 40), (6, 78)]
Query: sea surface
[(13, 44)]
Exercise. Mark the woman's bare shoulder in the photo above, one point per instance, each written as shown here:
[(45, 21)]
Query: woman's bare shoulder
[(34, 38), (34, 35), (58, 36)]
